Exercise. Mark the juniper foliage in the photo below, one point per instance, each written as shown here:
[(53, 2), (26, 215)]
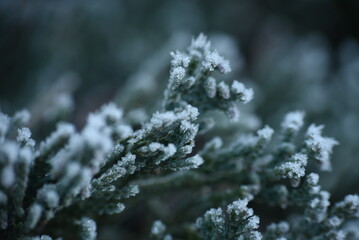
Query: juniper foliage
[(73, 176)]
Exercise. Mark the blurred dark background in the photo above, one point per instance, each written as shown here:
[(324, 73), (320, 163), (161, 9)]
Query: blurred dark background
[(104, 41), (63, 59)]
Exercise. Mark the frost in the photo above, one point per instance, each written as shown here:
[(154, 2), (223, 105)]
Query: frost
[(254, 235), (210, 86), (238, 223), (195, 161), (130, 191), (215, 217), (178, 73), (294, 168), (63, 131), (277, 230), (75, 174), (74, 181), (49, 196), (26, 155), (24, 137), (137, 116), (238, 207), (87, 229), (187, 81), (189, 112), (349, 207), (336, 235), (157, 149), (62, 157), (245, 94), (162, 119), (313, 179), (168, 237), (33, 216), (45, 237), (212, 145), (320, 146), (52, 199), (124, 131), (199, 45), (7, 176), (300, 157), (158, 231), (4, 125), (334, 222), (239, 212), (10, 150), (293, 121), (265, 133), (22, 117), (158, 228), (179, 59), (214, 61), (185, 163), (153, 147), (112, 209), (23, 134), (318, 206), (167, 118), (111, 113), (96, 139), (170, 150), (223, 90), (124, 166)]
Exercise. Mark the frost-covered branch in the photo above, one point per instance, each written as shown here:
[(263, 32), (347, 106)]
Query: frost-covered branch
[(191, 81), (74, 176)]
